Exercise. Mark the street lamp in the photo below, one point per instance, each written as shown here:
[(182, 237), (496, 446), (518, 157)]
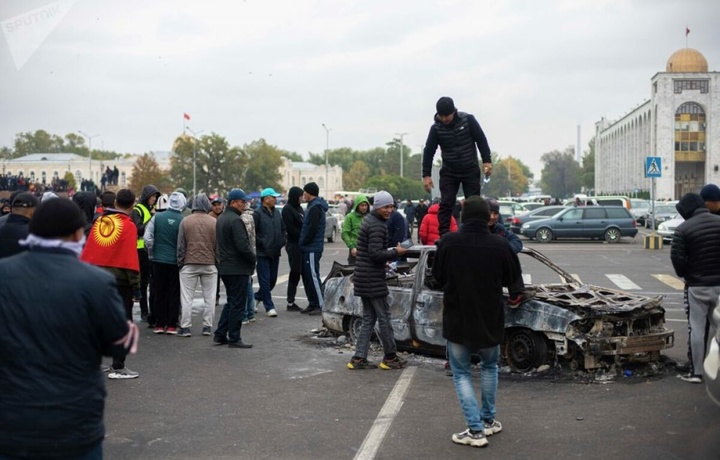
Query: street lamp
[(195, 136), (401, 151), (90, 138), (327, 152)]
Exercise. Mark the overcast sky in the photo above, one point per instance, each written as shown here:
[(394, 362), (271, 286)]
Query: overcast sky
[(529, 70)]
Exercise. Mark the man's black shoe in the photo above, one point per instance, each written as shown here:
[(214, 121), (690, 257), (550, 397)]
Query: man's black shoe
[(293, 307), (239, 344), (217, 341), (310, 309), (317, 311)]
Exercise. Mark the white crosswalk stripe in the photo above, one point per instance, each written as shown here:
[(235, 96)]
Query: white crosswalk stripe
[(623, 282), (673, 282)]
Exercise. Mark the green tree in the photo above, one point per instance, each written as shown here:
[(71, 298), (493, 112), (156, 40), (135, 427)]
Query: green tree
[(38, 142), (146, 171), (508, 177), (264, 161), (293, 156), (399, 187), (587, 172), (354, 178), (70, 178), (560, 174)]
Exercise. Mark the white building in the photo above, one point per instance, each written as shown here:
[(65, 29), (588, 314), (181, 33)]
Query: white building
[(299, 173), (680, 124)]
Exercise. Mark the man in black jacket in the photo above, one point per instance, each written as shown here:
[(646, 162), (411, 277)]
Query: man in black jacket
[(16, 227), (473, 313), (292, 216), (457, 134), (53, 338), (236, 263), (695, 255), (370, 285), (269, 241)]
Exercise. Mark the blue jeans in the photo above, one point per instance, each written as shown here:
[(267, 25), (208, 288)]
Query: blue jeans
[(267, 273), (228, 328), (459, 356), (311, 279), (249, 311)]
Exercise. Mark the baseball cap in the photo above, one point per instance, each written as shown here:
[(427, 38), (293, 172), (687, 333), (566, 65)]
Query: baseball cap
[(269, 192), (25, 200), (237, 194)]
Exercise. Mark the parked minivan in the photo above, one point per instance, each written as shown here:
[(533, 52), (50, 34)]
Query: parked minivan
[(608, 200), (607, 222)]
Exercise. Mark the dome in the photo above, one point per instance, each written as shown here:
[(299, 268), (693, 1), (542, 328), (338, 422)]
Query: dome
[(687, 60)]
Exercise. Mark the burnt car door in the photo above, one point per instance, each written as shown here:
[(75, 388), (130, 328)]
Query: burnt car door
[(426, 321)]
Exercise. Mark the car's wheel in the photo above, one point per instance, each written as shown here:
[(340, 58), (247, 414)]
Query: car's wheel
[(331, 238), (612, 235), (525, 350), (353, 328), (544, 235)]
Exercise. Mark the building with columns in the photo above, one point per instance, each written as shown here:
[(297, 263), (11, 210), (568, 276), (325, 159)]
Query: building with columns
[(680, 123), (299, 173)]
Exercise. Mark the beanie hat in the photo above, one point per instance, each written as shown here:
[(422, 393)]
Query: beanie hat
[(382, 199), (475, 208), (312, 189), (710, 192), (445, 106), (56, 218)]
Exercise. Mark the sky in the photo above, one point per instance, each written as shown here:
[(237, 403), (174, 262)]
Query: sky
[(531, 71)]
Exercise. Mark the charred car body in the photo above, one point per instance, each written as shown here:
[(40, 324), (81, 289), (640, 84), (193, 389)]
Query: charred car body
[(590, 326)]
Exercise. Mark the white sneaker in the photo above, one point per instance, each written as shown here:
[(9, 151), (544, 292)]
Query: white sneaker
[(257, 304), (272, 313), (470, 439), (691, 378), (124, 373), (492, 427)]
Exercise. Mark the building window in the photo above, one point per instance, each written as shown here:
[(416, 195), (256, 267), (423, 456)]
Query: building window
[(702, 85), (122, 178), (689, 128)]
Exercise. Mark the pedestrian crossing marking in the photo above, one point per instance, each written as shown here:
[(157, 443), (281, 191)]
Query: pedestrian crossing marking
[(671, 281), (623, 282)]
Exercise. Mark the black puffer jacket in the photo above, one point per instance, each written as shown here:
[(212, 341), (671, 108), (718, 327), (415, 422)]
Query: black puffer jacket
[(457, 142), (293, 214), (372, 254), (695, 252)]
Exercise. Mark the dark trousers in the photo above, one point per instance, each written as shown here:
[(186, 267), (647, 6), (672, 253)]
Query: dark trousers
[(295, 261), (267, 273), (236, 288), (166, 278), (311, 278), (126, 294), (449, 186), (145, 275)]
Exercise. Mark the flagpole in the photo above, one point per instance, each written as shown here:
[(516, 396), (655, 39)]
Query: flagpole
[(183, 124)]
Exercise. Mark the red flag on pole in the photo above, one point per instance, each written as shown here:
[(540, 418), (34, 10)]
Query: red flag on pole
[(186, 116), (687, 31)]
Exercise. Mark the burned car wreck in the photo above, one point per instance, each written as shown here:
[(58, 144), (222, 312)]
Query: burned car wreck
[(589, 326)]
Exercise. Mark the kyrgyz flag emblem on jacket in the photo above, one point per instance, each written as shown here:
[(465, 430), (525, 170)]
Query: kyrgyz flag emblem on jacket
[(112, 243)]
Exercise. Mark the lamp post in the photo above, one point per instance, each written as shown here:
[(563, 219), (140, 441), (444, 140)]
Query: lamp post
[(90, 138), (195, 137), (327, 152), (401, 151)]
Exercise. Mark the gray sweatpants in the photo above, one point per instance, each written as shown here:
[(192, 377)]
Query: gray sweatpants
[(700, 301)]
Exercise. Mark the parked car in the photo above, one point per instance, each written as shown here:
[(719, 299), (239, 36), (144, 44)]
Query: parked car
[(667, 228), (340, 217), (510, 209), (517, 222), (662, 213), (607, 222), (532, 206), (589, 326), (640, 209)]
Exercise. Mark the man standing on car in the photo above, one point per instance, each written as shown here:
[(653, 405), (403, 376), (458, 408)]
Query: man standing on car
[(695, 255), (473, 313), (370, 285), (457, 134)]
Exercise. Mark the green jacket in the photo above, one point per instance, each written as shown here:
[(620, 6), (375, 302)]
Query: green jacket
[(351, 224)]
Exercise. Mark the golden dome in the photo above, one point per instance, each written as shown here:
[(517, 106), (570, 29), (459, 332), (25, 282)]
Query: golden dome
[(687, 60)]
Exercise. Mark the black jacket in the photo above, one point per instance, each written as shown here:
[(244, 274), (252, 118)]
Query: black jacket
[(292, 215), (457, 142), (58, 317), (695, 251), (14, 230), (372, 254), (473, 265), (235, 255)]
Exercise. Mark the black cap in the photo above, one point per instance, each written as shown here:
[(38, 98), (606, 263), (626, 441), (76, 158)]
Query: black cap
[(25, 200), (475, 208), (445, 106), (56, 218)]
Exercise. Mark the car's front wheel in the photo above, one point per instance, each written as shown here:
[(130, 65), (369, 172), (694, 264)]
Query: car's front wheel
[(544, 235), (353, 328), (612, 235), (525, 349)]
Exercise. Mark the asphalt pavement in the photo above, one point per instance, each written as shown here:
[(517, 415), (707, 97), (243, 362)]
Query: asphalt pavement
[(291, 396)]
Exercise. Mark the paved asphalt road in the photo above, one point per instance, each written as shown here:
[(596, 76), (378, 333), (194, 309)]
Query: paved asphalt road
[(291, 397)]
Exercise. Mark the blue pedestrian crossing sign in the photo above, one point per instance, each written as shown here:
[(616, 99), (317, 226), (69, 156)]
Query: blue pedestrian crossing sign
[(653, 167)]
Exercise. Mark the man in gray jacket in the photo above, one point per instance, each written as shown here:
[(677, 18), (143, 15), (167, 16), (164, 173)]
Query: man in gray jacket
[(236, 263), (196, 259)]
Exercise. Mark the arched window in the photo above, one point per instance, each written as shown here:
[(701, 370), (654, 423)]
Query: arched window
[(689, 128), (43, 176)]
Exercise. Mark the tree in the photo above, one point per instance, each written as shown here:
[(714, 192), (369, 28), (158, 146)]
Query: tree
[(293, 156), (560, 173), (264, 161), (38, 142), (146, 171), (587, 172), (70, 178), (399, 187), (219, 167), (356, 176), (508, 177)]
